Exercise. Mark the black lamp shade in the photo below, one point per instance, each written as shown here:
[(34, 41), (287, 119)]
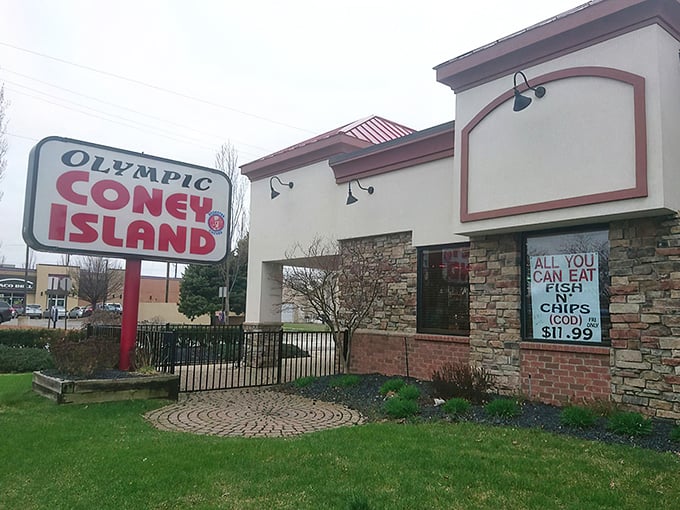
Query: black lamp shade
[(521, 102), (275, 193)]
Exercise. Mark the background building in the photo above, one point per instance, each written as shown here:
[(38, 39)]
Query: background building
[(158, 296)]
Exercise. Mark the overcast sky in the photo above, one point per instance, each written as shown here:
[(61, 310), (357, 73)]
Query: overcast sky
[(176, 79)]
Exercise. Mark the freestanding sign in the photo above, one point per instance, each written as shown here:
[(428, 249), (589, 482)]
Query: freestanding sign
[(565, 297), (88, 198), (85, 198)]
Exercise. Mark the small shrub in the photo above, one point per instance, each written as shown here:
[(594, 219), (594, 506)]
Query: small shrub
[(629, 424), (84, 357), (392, 386), (32, 337), (293, 351), (409, 392), (503, 408), (578, 417), (143, 359), (303, 382), (675, 434), (462, 380), (397, 407), (101, 317), (24, 359), (601, 407), (456, 407), (346, 380)]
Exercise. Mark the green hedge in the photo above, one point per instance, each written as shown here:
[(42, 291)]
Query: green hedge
[(34, 337), (24, 359)]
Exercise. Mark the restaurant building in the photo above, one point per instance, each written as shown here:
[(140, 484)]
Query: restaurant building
[(537, 237)]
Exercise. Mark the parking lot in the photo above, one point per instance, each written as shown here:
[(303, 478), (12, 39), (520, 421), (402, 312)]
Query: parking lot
[(25, 322)]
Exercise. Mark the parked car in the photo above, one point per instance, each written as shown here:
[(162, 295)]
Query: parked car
[(5, 312), (60, 310), (79, 312), (19, 309), (113, 307), (34, 311)]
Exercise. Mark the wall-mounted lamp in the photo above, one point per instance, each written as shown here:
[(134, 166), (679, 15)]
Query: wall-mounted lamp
[(351, 198), (271, 186), (521, 102)]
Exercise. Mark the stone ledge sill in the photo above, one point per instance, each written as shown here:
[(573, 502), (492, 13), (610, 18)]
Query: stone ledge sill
[(583, 349), (421, 337)]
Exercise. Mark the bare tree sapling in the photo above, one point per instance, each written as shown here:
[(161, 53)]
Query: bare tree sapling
[(339, 282)]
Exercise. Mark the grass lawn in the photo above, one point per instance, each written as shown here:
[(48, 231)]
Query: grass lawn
[(106, 456), (304, 327)]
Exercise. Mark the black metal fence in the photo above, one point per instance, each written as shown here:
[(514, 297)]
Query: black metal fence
[(221, 357)]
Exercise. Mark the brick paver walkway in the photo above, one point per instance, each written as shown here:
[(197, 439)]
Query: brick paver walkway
[(251, 412)]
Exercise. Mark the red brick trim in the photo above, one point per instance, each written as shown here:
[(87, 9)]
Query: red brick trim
[(640, 127)]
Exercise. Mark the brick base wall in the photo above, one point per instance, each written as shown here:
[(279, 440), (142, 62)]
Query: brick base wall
[(386, 353), (561, 374)]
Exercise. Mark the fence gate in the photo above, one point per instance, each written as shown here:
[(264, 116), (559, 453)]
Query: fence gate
[(222, 357)]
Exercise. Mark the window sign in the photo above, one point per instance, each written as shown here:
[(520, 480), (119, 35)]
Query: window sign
[(565, 295)]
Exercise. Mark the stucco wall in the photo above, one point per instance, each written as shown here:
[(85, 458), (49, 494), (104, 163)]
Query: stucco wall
[(577, 140), (164, 313), (416, 199)]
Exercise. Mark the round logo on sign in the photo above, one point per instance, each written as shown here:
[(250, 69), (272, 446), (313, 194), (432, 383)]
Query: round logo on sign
[(216, 222)]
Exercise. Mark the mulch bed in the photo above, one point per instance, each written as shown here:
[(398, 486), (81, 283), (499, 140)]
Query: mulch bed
[(365, 397)]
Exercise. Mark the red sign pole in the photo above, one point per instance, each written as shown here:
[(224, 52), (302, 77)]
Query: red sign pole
[(128, 331)]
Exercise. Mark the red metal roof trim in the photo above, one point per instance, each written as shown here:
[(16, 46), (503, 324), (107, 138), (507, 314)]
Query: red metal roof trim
[(421, 147), (347, 138), (301, 156), (573, 30)]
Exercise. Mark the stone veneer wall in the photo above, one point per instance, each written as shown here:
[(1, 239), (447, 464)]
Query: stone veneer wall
[(641, 369), (395, 263), (495, 301), (645, 310), (265, 344), (550, 373), (387, 343)]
